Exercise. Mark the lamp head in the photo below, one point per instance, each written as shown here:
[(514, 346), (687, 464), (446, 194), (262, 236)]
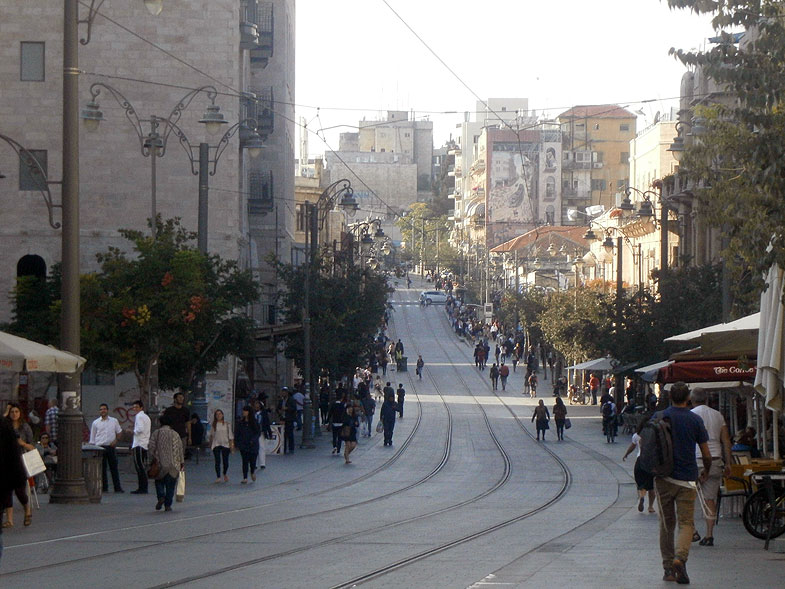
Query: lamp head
[(645, 211), (626, 204), (213, 119), (91, 116), (590, 235), (677, 148), (608, 243), (348, 202), (254, 146)]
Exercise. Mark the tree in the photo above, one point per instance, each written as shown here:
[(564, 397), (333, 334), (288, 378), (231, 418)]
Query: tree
[(739, 161), (436, 227), (36, 308), (169, 304), (346, 308)]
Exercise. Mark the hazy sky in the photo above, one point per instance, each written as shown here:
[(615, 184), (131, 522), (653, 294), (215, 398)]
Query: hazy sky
[(356, 59)]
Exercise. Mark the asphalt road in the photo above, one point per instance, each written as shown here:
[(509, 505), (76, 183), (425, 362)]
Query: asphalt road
[(464, 498)]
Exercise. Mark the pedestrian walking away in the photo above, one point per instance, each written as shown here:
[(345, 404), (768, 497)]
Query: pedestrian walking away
[(13, 478), (676, 493), (542, 417), (420, 364), (504, 373), (401, 397), (247, 441), (289, 419), (609, 425), (221, 443), (594, 387), (643, 480), (104, 432), (299, 400), (531, 381), (719, 447), (494, 374), (387, 413), (349, 432), (559, 417), (166, 450), (337, 410), (140, 445), (369, 408)]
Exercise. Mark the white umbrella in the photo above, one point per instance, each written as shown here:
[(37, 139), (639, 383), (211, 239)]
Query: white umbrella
[(771, 348), (18, 354)]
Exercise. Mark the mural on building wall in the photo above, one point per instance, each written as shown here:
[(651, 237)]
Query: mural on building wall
[(513, 190)]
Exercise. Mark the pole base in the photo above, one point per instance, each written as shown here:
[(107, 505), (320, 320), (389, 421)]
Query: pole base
[(73, 491)]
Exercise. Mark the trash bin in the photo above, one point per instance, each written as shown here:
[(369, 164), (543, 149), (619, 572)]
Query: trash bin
[(92, 464), (403, 364)]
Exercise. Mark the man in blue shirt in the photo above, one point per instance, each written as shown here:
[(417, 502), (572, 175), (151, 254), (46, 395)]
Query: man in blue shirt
[(676, 493)]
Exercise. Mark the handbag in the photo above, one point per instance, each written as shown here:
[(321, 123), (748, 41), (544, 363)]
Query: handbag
[(34, 464), (180, 492), (154, 469), (567, 423), (379, 427)]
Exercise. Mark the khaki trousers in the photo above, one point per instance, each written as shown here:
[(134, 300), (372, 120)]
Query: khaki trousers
[(676, 501)]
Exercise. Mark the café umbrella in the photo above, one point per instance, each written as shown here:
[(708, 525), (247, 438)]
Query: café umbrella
[(18, 354)]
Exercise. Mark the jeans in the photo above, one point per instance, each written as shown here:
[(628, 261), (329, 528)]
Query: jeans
[(249, 459), (140, 458), (299, 419), (559, 429), (288, 437), (369, 423), (389, 427), (336, 427), (110, 459), (164, 489), (504, 383), (677, 504), (221, 452), (400, 406)]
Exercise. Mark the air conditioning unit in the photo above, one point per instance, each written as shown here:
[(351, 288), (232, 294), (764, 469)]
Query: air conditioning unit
[(597, 165)]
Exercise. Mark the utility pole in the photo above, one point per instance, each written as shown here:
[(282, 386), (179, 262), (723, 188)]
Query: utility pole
[(422, 248), (307, 439)]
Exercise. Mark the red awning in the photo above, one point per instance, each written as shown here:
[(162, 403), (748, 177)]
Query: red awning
[(706, 371)]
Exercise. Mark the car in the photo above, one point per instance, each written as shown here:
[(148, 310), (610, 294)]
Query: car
[(435, 297)]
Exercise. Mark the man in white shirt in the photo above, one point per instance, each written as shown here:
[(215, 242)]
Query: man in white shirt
[(299, 399), (139, 446), (719, 446), (104, 432)]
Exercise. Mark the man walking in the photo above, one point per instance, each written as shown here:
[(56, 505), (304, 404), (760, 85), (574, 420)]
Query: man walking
[(594, 387), (104, 432), (50, 420), (420, 364), (676, 493), (180, 418), (504, 372), (719, 447), (139, 446), (299, 400), (401, 397)]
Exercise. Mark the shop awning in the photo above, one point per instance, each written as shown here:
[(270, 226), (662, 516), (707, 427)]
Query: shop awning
[(604, 364), (649, 373), (706, 371)]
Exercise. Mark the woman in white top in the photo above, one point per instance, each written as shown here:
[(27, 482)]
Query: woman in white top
[(221, 442), (643, 479)]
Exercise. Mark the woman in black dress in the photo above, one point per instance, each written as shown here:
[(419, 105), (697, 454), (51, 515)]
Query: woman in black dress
[(349, 432)]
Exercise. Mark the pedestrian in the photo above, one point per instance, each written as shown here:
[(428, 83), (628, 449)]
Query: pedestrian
[(387, 413), (420, 364), (139, 446), (48, 452), (719, 447), (676, 493), (531, 380), (166, 450), (559, 416), (497, 352), (197, 431), (180, 418), (643, 480), (337, 410), (104, 432), (324, 401), (262, 417), (594, 387), (494, 374), (247, 441), (401, 397), (289, 419), (369, 407), (504, 372), (608, 412), (13, 478), (383, 362), (542, 418), (299, 400), (349, 432), (221, 443), (50, 420)]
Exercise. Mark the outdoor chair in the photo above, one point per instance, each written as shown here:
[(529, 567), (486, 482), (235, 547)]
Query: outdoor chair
[(733, 488)]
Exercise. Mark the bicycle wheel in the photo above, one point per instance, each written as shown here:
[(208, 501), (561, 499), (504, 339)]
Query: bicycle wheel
[(757, 514)]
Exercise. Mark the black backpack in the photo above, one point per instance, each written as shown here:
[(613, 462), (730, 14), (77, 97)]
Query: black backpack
[(657, 446), (607, 409)]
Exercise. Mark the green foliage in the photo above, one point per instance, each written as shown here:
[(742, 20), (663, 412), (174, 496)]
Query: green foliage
[(36, 308), (434, 222), (346, 309)]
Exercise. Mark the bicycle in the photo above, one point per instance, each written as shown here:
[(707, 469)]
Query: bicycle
[(764, 511)]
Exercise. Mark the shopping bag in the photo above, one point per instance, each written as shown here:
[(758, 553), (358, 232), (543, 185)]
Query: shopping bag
[(261, 458), (567, 423), (180, 492), (34, 464), (379, 427)]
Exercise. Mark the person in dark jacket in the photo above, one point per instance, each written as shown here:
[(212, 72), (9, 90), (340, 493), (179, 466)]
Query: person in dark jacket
[(246, 439), (289, 418), (387, 413), (324, 402), (335, 417), (401, 394), (197, 431), (12, 471), (350, 425)]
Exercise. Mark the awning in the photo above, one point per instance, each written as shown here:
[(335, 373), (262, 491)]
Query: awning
[(748, 323), (476, 207), (270, 331), (604, 364), (649, 373), (706, 371)]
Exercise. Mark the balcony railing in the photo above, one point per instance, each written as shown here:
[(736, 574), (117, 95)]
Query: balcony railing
[(258, 105), (249, 32), (260, 192), (265, 25)]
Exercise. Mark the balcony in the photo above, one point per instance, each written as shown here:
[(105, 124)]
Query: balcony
[(260, 192), (249, 32), (258, 105), (265, 24)]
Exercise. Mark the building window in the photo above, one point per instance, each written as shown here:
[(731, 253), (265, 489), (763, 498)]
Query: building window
[(598, 184), (29, 174), (550, 188), (31, 61), (300, 216), (580, 126), (624, 127), (621, 185), (406, 135), (596, 126), (624, 158), (597, 156)]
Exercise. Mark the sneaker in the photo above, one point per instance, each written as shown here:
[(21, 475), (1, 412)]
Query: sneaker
[(669, 576), (159, 504), (640, 505), (680, 572)]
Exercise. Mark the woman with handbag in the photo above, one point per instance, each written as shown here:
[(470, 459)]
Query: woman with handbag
[(167, 460), (349, 432), (24, 443), (542, 417), (559, 416), (221, 443), (247, 440)]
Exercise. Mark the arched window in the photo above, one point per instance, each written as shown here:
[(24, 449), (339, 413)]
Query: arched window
[(31, 265), (550, 188)]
